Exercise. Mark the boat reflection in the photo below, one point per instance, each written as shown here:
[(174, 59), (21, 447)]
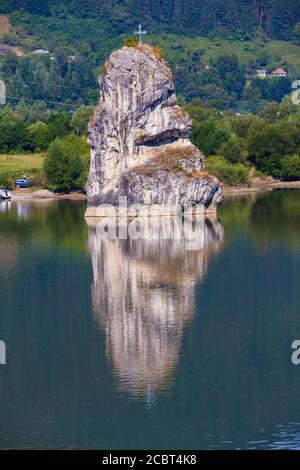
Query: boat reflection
[(5, 206), (143, 296)]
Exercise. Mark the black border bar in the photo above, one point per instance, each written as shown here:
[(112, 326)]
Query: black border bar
[(152, 459)]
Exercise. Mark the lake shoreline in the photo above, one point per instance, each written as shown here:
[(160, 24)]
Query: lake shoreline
[(259, 185), (38, 195)]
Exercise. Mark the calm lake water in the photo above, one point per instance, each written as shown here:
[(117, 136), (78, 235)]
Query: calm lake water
[(147, 343)]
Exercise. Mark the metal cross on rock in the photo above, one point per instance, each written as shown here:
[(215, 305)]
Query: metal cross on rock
[(140, 33)]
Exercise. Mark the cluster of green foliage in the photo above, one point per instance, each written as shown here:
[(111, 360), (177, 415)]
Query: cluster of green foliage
[(35, 175), (66, 163), (236, 145), (232, 37), (223, 84), (33, 128), (230, 174), (235, 18), (53, 79), (269, 141), (61, 84), (131, 41)]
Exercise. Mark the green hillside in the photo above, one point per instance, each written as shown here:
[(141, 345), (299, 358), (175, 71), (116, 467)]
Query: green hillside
[(239, 19), (281, 53), (212, 51)]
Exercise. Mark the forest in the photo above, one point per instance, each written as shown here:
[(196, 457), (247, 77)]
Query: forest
[(234, 18), (214, 48), (244, 124), (237, 147)]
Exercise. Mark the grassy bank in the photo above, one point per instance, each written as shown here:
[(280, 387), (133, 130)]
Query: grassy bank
[(21, 162), (15, 166), (227, 173), (247, 51)]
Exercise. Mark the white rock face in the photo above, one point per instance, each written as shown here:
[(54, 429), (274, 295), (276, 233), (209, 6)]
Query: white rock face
[(139, 139)]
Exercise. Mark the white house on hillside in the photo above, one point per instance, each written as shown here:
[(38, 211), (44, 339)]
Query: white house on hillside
[(280, 73), (40, 52), (261, 73)]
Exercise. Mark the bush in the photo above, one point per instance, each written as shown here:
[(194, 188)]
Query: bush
[(132, 41), (66, 163), (80, 120), (35, 176), (59, 124), (209, 135), (13, 133), (231, 175), (158, 52), (267, 143), (291, 167), (7, 178), (40, 136), (233, 150)]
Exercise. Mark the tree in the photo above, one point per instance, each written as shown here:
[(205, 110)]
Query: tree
[(80, 119), (267, 145), (40, 135), (296, 34), (13, 133), (233, 150), (209, 135), (241, 124), (40, 7), (59, 124), (231, 73), (291, 167), (66, 163), (226, 18)]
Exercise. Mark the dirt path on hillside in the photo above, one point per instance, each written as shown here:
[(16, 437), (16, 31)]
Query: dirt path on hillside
[(4, 25)]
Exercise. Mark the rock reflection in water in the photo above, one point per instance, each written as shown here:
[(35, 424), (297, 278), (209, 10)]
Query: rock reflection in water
[(143, 296)]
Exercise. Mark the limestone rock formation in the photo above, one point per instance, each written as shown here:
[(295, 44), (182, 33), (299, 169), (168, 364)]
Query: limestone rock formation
[(139, 139), (145, 316)]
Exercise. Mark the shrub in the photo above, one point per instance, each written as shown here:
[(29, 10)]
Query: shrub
[(267, 143), (7, 178), (233, 150), (40, 136), (291, 167), (158, 52), (66, 163), (13, 133), (209, 135), (80, 120), (35, 176), (229, 174), (59, 124), (131, 41)]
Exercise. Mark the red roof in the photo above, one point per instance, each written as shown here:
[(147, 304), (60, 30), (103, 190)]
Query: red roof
[(279, 72)]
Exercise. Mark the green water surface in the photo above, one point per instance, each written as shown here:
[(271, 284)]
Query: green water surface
[(127, 344)]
